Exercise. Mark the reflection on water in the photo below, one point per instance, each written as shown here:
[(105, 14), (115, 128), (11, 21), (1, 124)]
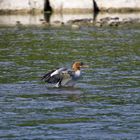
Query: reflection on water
[(105, 104), (23, 19), (60, 17)]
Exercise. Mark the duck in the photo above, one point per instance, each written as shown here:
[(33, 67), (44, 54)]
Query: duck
[(63, 76)]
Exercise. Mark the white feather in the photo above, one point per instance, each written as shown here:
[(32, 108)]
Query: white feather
[(57, 71), (77, 73)]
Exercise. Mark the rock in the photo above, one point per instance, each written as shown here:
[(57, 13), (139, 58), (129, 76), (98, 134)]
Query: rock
[(18, 22), (57, 23), (41, 19), (45, 23), (72, 6), (80, 21), (118, 5), (23, 6), (113, 24), (106, 19), (74, 26), (98, 24), (109, 21)]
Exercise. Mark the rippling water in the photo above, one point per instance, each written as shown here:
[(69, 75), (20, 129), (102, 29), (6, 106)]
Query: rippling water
[(105, 104)]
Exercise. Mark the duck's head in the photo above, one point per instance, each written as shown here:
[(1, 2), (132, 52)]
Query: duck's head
[(78, 65)]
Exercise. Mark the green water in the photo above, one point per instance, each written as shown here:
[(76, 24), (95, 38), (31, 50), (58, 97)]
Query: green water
[(105, 104)]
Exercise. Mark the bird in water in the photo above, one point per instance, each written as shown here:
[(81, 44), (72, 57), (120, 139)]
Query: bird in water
[(63, 76)]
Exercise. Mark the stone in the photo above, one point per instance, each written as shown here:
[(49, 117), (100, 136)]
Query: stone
[(75, 26), (23, 6), (118, 5), (72, 5)]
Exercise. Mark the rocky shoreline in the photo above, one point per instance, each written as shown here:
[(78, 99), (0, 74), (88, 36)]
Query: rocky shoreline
[(116, 21), (101, 20), (107, 21), (74, 13), (72, 20)]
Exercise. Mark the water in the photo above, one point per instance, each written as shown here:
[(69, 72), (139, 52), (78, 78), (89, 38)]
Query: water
[(105, 104), (56, 18)]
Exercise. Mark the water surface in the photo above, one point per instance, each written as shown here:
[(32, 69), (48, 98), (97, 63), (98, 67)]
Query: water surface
[(105, 104)]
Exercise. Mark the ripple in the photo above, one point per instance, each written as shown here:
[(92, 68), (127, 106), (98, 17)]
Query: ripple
[(104, 104)]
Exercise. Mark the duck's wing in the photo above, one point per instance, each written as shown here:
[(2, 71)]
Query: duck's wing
[(47, 76), (66, 77), (53, 76), (60, 77)]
